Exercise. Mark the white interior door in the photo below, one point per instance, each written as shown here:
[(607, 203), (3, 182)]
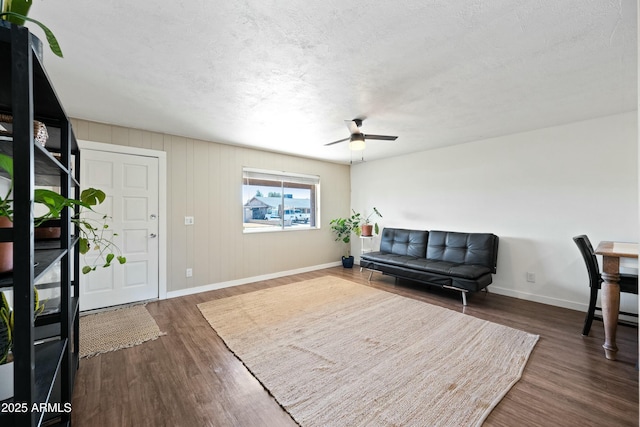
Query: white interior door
[(131, 185)]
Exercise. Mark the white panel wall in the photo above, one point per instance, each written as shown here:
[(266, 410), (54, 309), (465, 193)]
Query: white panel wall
[(205, 181), (535, 190)]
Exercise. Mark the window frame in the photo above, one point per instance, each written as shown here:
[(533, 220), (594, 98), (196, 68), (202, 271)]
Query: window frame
[(285, 180)]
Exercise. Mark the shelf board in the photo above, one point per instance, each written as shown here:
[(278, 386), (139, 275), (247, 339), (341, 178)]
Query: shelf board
[(52, 315), (48, 170), (46, 254), (48, 360), (44, 259)]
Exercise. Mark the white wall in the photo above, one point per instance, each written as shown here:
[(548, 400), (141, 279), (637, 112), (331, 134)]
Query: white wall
[(535, 190)]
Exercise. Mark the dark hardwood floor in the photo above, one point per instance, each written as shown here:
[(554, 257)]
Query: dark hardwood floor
[(189, 378)]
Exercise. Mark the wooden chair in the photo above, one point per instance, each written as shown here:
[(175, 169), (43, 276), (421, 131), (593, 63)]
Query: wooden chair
[(628, 282)]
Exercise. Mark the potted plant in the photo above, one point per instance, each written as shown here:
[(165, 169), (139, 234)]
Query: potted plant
[(6, 342), (367, 228), (343, 227), (93, 234), (16, 11)]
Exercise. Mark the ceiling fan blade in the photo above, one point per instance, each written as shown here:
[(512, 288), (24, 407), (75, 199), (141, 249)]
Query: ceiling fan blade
[(353, 125), (335, 142), (383, 137)]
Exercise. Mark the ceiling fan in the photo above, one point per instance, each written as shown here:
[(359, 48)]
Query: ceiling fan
[(357, 138)]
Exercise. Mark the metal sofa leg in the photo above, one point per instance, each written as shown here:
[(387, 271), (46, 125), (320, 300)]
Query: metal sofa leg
[(463, 292), (370, 274)]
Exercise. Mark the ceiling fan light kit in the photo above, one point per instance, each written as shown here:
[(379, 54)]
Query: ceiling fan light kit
[(356, 142)]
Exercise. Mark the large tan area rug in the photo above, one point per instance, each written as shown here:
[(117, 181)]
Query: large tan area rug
[(335, 353), (116, 329)]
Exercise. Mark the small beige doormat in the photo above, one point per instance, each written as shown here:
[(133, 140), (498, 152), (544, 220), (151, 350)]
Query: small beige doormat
[(116, 329), (335, 353)]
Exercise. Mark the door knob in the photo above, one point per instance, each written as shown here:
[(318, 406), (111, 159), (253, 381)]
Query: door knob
[(153, 235), (153, 216)]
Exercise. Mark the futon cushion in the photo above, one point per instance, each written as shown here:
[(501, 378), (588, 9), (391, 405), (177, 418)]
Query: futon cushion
[(387, 258), (449, 268), (404, 242), (463, 248)]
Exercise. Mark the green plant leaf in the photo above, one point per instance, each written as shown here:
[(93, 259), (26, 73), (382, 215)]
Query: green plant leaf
[(6, 204), (87, 225), (52, 200), (83, 245), (4, 303), (5, 336), (49, 198), (92, 196), (38, 306), (91, 231), (6, 330), (7, 322), (53, 42), (6, 163), (19, 7)]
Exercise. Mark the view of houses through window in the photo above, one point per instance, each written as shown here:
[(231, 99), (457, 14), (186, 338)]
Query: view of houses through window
[(279, 200)]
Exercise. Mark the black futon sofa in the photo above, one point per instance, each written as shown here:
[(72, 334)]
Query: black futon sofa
[(460, 261)]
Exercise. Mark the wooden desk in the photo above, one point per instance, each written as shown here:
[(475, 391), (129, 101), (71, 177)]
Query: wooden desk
[(611, 253)]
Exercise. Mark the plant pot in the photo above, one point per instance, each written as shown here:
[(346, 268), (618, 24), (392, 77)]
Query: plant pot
[(47, 230), (347, 262), (367, 230), (6, 248), (46, 233), (6, 381)]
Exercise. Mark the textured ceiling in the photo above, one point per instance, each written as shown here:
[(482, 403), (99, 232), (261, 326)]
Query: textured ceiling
[(284, 75)]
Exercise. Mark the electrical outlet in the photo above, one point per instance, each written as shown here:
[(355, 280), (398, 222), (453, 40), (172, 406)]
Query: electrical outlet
[(189, 272), (188, 220), (531, 277)]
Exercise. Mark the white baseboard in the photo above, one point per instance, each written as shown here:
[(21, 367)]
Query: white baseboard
[(244, 281), (538, 298), (551, 301)]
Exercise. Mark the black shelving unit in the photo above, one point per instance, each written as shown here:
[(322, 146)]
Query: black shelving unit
[(45, 350)]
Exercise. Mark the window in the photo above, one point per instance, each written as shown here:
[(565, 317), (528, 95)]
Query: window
[(279, 201)]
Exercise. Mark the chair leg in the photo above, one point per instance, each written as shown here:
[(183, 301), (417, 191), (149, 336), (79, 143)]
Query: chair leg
[(588, 320)]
